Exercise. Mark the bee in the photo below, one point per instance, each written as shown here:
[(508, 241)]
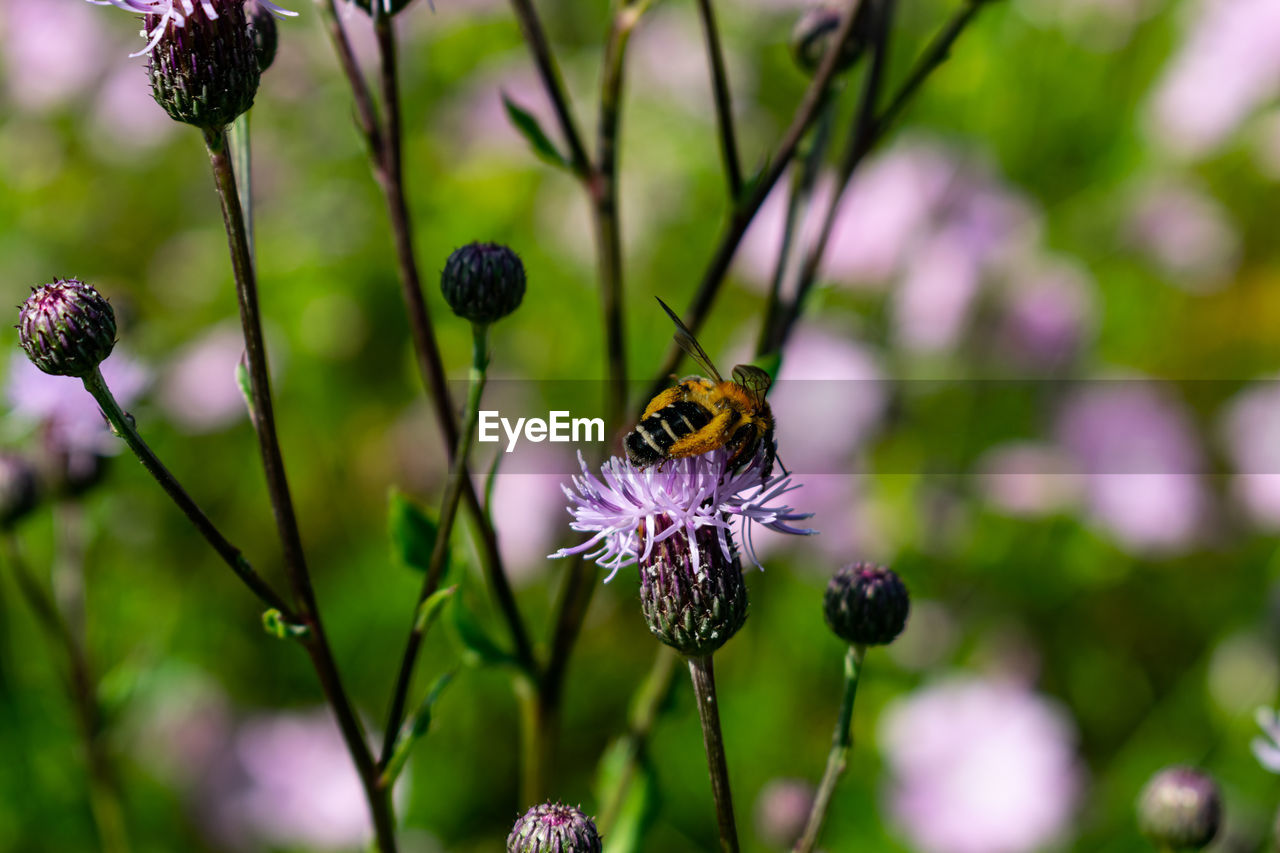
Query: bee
[(699, 414)]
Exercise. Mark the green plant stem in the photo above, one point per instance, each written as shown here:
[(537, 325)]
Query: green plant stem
[(746, 208), (316, 642), (723, 101), (123, 426), (385, 154), (870, 129), (841, 742), (536, 743), (242, 161), (104, 786), (448, 514), (653, 695), (704, 689)]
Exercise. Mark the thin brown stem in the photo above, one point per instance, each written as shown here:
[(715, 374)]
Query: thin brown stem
[(704, 689), (315, 642), (746, 209), (723, 101)]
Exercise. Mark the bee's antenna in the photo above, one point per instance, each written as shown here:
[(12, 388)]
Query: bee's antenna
[(777, 457)]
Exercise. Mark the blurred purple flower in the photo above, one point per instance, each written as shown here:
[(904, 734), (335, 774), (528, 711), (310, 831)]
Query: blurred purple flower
[(528, 508), (65, 411), (198, 390), (1228, 66), (782, 808), (1141, 463), (1251, 432), (618, 507), (52, 51), (1185, 232), (1046, 312), (1266, 747), (981, 766), (1028, 479), (931, 305), (125, 120)]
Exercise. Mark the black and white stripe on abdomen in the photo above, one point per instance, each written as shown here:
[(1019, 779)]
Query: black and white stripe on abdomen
[(648, 443)]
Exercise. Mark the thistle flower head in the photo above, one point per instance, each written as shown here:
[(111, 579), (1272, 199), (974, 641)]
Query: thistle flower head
[(554, 828), (161, 15), (814, 31), (66, 327), (866, 604), (1180, 808), (622, 508), (483, 282)]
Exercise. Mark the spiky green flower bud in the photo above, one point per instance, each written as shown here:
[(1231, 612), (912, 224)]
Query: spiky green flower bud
[(1180, 809), (866, 605), (813, 32), (692, 602), (554, 828), (66, 327), (206, 72), (265, 34), (483, 282), (19, 492)]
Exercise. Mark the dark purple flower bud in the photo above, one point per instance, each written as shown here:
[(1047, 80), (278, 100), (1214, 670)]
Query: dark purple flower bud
[(866, 605), (553, 828), (265, 34), (19, 493), (814, 31), (691, 591), (205, 72), (386, 7), (66, 327), (1180, 809), (483, 282)]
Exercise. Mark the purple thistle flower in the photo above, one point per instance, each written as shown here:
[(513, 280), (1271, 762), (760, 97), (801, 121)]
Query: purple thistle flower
[(176, 12), (620, 508)]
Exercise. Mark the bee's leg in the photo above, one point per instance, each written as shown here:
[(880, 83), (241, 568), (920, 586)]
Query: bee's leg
[(707, 438), (666, 398)]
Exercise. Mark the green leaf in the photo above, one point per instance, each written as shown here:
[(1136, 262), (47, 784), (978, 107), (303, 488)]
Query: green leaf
[(528, 126), (273, 622), (480, 648), (246, 388), (430, 609), (414, 729), (413, 532), (636, 796)]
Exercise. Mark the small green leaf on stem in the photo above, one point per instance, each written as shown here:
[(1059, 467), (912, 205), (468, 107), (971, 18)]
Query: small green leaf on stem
[(429, 612), (480, 648), (413, 533), (413, 731), (246, 388), (273, 622), (532, 131)]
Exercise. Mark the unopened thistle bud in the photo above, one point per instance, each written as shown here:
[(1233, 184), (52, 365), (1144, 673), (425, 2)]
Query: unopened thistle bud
[(693, 600), (1180, 809), (554, 828), (18, 491), (386, 7), (483, 282), (265, 34), (814, 31), (66, 327), (866, 605), (206, 72)]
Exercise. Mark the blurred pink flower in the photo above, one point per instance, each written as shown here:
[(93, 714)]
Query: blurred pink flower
[(932, 302), (479, 116), (1228, 66), (823, 371), (1141, 463), (1028, 479), (66, 412), (125, 118), (53, 51), (782, 808), (1046, 313), (669, 64), (980, 766), (1186, 232), (1251, 433), (528, 507), (198, 390)]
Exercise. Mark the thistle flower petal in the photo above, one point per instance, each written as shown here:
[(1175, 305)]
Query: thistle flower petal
[(619, 507), (175, 13)]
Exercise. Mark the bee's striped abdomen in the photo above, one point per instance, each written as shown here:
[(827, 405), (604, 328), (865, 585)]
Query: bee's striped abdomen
[(649, 442)]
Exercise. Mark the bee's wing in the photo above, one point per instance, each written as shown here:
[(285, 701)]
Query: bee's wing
[(690, 344), (754, 380)]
